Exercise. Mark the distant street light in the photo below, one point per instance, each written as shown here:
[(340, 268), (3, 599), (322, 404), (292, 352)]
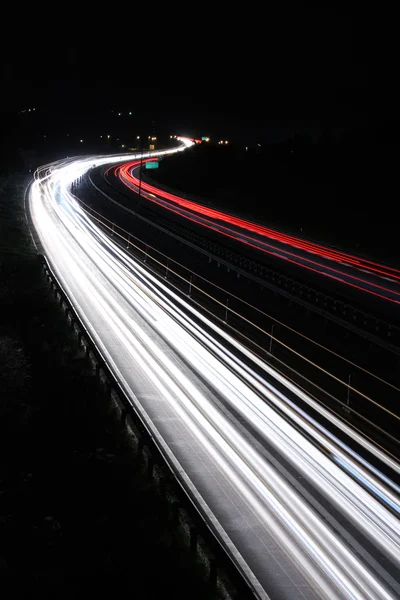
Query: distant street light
[(140, 171)]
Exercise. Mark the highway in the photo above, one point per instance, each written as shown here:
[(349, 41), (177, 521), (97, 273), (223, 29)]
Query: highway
[(380, 281), (302, 514)]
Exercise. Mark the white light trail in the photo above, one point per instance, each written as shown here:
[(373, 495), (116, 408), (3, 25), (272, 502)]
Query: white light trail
[(234, 415)]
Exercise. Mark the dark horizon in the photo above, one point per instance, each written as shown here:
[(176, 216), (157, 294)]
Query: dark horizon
[(305, 71)]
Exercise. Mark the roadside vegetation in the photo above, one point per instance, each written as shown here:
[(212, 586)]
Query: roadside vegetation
[(76, 513)]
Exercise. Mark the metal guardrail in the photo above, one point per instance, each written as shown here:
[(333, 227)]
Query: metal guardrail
[(343, 311), (222, 571), (354, 412), (217, 256)]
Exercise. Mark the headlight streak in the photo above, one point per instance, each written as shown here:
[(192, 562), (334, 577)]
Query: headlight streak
[(361, 440), (205, 421), (319, 553), (313, 463), (157, 285)]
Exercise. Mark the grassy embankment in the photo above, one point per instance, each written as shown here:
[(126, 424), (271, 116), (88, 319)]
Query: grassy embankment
[(76, 513)]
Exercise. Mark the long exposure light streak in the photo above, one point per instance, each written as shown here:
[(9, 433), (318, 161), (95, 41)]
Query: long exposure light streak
[(362, 274), (305, 498)]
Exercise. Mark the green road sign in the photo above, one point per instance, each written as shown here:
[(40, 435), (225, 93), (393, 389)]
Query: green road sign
[(152, 165)]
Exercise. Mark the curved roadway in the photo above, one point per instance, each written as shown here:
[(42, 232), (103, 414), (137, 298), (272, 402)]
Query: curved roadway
[(380, 281), (303, 515)]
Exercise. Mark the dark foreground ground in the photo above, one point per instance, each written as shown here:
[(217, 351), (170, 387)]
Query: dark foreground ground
[(76, 514)]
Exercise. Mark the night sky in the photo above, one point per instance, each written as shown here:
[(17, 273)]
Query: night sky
[(239, 74)]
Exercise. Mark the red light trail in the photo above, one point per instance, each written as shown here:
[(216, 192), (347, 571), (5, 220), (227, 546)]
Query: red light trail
[(220, 221)]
